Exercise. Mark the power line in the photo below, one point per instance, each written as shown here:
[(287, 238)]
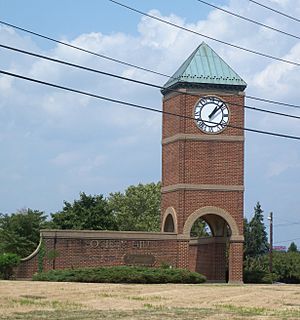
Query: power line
[(286, 224), (133, 105), (269, 56), (134, 80), (287, 240), (82, 49), (277, 11), (130, 64), (291, 105), (250, 20)]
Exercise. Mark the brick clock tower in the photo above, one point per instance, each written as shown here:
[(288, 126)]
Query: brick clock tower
[(203, 164)]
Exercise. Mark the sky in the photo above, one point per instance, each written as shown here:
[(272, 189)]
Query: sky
[(55, 144)]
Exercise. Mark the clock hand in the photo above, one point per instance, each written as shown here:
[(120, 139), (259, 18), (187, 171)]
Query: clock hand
[(214, 111)]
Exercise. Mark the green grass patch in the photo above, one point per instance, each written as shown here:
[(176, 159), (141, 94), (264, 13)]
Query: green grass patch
[(243, 311), (121, 274)]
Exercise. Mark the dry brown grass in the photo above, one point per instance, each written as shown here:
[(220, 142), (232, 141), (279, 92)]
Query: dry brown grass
[(53, 301)]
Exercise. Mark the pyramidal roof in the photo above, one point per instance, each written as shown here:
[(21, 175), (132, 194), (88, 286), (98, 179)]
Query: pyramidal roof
[(204, 68)]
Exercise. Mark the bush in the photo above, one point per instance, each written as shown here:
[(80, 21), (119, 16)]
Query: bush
[(122, 274), (259, 276), (8, 261), (286, 265), (286, 268), (256, 270)]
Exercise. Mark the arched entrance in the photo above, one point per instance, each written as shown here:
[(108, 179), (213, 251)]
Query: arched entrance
[(214, 253)]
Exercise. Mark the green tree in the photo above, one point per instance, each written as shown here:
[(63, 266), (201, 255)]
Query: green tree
[(200, 229), (293, 247), (138, 208), (256, 241), (8, 261), (89, 212), (20, 231), (246, 237)]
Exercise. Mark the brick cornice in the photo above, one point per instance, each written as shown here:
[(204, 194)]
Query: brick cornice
[(204, 137), (107, 235), (212, 187), (200, 92)]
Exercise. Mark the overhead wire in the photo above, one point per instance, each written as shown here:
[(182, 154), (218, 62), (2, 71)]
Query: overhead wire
[(276, 11), (134, 80), (286, 224), (286, 240), (131, 64), (81, 49), (138, 106), (269, 56), (249, 20)]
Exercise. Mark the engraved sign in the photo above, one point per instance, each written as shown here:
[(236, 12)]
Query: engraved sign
[(139, 259)]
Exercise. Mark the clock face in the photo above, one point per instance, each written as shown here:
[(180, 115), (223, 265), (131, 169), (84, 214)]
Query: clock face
[(211, 114)]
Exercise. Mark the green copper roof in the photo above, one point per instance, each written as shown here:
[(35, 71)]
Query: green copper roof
[(204, 68)]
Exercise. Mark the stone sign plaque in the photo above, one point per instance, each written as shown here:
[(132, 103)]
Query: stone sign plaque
[(139, 259)]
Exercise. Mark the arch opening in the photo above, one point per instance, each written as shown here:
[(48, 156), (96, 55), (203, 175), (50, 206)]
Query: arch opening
[(200, 229), (209, 248), (169, 224)]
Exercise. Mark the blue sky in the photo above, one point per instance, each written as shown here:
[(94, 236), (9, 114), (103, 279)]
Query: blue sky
[(55, 144)]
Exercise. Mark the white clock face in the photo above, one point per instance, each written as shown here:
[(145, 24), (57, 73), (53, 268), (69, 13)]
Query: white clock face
[(211, 114)]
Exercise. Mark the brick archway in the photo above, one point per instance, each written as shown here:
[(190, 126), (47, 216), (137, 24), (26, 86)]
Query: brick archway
[(170, 211), (211, 210), (209, 255)]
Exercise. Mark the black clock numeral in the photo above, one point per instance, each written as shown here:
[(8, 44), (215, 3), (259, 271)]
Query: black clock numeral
[(202, 125), (211, 129)]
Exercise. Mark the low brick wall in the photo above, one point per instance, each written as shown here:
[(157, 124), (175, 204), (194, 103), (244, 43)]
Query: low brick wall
[(61, 249)]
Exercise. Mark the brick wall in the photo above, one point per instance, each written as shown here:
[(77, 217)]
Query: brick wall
[(74, 249), (209, 259)]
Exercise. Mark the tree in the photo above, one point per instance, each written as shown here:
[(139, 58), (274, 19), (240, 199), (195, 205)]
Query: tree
[(293, 247), (246, 238), (8, 261), (256, 236), (138, 208), (200, 229), (20, 231), (89, 212)]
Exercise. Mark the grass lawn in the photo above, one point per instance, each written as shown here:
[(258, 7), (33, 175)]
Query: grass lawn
[(83, 301)]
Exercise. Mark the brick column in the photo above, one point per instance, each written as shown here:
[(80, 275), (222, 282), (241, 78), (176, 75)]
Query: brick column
[(183, 254), (235, 262)]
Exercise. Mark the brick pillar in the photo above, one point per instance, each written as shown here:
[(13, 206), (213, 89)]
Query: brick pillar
[(183, 254), (236, 263)]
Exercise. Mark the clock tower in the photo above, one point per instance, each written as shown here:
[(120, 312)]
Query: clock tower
[(203, 164)]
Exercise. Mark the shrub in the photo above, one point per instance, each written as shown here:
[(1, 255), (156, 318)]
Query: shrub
[(8, 261), (122, 274), (286, 268), (256, 270), (286, 265), (258, 276)]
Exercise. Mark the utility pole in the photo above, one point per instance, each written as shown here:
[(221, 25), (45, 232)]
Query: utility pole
[(270, 218)]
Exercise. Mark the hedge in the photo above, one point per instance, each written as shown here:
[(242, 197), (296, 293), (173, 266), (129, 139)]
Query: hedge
[(122, 274)]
